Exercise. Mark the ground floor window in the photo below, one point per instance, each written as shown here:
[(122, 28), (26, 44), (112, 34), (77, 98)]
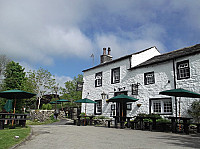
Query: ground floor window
[(98, 107), (161, 105)]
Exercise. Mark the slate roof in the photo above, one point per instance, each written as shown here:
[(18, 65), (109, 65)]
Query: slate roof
[(118, 59), (171, 55)]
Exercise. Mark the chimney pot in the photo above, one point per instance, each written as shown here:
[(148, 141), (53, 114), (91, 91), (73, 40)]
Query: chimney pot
[(104, 51), (109, 50)]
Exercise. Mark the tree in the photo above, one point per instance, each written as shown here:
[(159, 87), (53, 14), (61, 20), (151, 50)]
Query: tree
[(14, 79), (14, 76), (43, 81), (194, 110), (70, 92)]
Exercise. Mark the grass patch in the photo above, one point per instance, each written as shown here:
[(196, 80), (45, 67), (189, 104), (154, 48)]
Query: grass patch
[(7, 136)]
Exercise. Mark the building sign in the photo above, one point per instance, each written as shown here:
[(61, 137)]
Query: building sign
[(79, 86)]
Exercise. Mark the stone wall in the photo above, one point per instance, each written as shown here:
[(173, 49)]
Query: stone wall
[(43, 115)]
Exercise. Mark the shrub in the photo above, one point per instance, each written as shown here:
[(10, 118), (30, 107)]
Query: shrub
[(44, 107), (194, 110), (49, 106)]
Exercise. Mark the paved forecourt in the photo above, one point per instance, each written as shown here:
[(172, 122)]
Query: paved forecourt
[(91, 137)]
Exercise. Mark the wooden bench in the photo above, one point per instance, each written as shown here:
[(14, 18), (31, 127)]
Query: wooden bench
[(17, 118), (21, 121)]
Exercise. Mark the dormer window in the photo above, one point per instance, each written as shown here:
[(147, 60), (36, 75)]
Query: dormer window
[(98, 79), (115, 75)]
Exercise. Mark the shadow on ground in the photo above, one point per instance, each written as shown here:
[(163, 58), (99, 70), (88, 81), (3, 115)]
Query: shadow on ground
[(192, 140)]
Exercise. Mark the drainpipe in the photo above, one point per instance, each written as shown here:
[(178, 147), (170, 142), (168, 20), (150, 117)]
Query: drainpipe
[(174, 70)]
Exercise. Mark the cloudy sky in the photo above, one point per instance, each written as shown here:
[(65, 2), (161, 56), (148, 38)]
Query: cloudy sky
[(61, 35)]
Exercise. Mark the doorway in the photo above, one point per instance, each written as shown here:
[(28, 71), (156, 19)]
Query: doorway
[(121, 107)]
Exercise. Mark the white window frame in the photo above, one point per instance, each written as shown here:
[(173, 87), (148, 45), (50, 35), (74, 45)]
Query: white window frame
[(165, 104), (98, 107), (115, 75), (98, 79), (149, 78), (183, 70)]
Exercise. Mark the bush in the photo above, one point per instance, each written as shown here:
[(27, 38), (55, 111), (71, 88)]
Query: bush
[(100, 117), (194, 110), (49, 106), (44, 107)]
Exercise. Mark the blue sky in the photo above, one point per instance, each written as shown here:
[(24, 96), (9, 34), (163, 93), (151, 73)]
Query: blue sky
[(61, 35)]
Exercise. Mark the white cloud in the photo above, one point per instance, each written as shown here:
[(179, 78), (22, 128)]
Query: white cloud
[(62, 79), (39, 32)]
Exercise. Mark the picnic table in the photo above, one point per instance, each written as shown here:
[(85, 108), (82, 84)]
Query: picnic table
[(186, 123), (85, 116), (141, 121), (122, 121), (16, 117)]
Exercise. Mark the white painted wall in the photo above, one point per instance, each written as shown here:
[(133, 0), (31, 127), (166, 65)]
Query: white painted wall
[(141, 57), (164, 80)]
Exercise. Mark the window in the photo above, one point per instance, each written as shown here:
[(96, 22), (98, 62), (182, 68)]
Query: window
[(98, 79), (161, 106), (112, 106), (128, 106), (183, 70), (112, 112), (98, 107), (115, 75), (149, 78), (134, 89)]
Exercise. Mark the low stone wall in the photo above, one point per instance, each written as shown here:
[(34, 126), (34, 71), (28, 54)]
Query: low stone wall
[(43, 115)]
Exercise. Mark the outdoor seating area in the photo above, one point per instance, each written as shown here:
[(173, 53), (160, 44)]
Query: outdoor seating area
[(148, 122), (12, 119)]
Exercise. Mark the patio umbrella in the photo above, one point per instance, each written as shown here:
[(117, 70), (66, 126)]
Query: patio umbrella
[(61, 101), (8, 105), (179, 92), (16, 94), (53, 102), (85, 100), (122, 99)]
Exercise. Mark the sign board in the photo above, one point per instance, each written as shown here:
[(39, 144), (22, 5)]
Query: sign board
[(79, 86)]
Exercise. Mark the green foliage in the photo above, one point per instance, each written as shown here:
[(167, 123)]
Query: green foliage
[(41, 81), (44, 107), (101, 117), (194, 110), (82, 114), (163, 120), (70, 92), (47, 106), (14, 76), (14, 79)]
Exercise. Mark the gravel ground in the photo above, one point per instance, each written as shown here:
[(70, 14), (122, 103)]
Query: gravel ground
[(91, 137)]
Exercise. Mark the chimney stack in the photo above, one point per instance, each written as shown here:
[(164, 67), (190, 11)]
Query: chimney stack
[(106, 58)]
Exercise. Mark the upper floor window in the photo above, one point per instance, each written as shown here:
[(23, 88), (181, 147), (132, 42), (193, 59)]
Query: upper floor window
[(183, 70), (115, 75), (98, 79), (149, 78)]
